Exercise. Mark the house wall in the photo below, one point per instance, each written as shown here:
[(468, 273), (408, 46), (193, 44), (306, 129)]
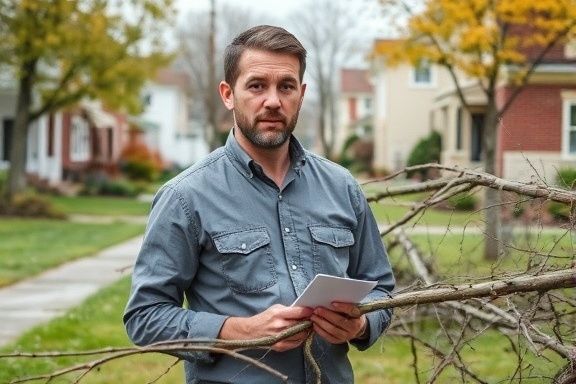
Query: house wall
[(351, 107), (533, 166), (7, 109), (167, 108), (40, 163), (534, 121), (531, 134), (402, 113)]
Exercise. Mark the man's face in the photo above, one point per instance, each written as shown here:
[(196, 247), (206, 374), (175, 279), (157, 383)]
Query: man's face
[(266, 98)]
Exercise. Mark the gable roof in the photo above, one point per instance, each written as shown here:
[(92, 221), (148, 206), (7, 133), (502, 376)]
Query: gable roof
[(355, 81)]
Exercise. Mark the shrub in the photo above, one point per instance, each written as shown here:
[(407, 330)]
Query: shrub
[(427, 150), (566, 178), (559, 211), (462, 202), (138, 162), (101, 185), (30, 205)]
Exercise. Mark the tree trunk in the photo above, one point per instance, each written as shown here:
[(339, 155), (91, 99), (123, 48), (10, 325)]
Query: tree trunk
[(214, 138), (492, 196), (16, 182)]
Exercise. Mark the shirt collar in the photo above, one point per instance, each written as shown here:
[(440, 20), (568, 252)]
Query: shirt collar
[(241, 158)]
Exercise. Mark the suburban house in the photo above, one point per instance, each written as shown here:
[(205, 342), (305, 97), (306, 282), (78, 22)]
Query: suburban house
[(354, 105), (167, 126), (87, 140), (536, 137), (404, 99), (537, 134), (66, 146)]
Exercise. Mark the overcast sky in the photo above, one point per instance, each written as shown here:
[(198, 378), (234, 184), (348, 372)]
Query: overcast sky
[(276, 8)]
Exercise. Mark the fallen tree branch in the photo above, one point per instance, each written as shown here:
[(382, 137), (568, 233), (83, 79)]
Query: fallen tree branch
[(565, 278)]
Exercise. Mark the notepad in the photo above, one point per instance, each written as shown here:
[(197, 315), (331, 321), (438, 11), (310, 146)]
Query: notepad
[(324, 289)]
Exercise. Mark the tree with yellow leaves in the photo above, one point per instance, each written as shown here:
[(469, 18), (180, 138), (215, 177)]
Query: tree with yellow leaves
[(62, 51), (490, 43)]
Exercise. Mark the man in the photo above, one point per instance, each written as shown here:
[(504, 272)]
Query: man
[(243, 232)]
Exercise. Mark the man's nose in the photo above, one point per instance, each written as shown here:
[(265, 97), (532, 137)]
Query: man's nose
[(272, 99)]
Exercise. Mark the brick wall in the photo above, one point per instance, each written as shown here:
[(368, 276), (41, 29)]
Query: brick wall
[(534, 122)]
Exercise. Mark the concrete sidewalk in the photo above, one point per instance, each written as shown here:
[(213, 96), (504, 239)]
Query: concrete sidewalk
[(34, 301)]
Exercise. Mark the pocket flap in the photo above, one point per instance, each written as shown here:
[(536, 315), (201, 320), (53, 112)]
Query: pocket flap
[(243, 242), (334, 236)]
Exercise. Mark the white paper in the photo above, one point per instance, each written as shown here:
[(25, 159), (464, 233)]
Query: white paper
[(325, 289)]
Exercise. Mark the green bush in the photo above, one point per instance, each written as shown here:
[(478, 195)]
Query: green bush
[(30, 205), (463, 202), (559, 211), (345, 159), (566, 178), (100, 185), (427, 150)]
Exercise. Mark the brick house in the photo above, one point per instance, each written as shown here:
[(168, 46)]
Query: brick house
[(537, 134), (64, 146)]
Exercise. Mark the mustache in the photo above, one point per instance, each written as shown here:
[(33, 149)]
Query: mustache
[(271, 115)]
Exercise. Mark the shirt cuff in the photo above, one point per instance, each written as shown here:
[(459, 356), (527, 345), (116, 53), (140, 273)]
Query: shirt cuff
[(206, 326)]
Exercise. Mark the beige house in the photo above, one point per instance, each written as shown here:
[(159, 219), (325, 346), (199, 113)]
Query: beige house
[(404, 98), (536, 136)]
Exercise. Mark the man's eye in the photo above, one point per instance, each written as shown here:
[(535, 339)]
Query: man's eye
[(256, 86), (287, 87)]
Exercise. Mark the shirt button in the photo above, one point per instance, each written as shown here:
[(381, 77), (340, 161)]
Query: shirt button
[(279, 197), (243, 246), (286, 230), (294, 267)]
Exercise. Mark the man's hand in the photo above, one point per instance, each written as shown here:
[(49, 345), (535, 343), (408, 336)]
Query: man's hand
[(339, 323), (272, 321)]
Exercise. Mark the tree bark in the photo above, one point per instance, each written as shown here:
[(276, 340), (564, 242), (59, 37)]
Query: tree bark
[(16, 182), (492, 196), (565, 278)]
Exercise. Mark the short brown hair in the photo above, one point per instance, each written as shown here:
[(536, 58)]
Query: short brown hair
[(266, 38)]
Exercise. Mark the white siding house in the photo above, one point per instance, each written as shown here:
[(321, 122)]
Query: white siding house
[(167, 115)]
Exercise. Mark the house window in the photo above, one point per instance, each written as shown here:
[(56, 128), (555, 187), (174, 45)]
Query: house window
[(459, 129), (51, 136), (477, 137), (147, 99), (570, 124), (422, 73), (352, 109), (79, 139), (7, 131)]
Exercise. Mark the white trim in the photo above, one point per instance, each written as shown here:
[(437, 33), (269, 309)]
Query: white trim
[(567, 105), (79, 139)]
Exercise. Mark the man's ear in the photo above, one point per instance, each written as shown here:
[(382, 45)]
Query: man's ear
[(226, 94)]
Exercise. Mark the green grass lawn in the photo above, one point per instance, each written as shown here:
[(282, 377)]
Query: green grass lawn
[(105, 206), (30, 246)]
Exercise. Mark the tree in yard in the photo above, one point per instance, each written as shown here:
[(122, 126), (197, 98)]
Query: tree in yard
[(490, 44), (202, 41), (328, 30), (63, 51)]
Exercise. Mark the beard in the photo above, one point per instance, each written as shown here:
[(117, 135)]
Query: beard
[(265, 139)]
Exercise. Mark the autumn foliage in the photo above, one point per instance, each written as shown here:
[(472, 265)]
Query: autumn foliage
[(139, 162)]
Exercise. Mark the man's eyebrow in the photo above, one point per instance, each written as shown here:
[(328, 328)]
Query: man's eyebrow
[(282, 78), (255, 78)]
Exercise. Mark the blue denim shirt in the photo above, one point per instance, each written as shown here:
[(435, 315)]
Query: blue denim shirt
[(224, 237)]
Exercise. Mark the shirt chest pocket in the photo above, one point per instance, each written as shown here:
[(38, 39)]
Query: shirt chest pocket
[(247, 262), (330, 249)]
